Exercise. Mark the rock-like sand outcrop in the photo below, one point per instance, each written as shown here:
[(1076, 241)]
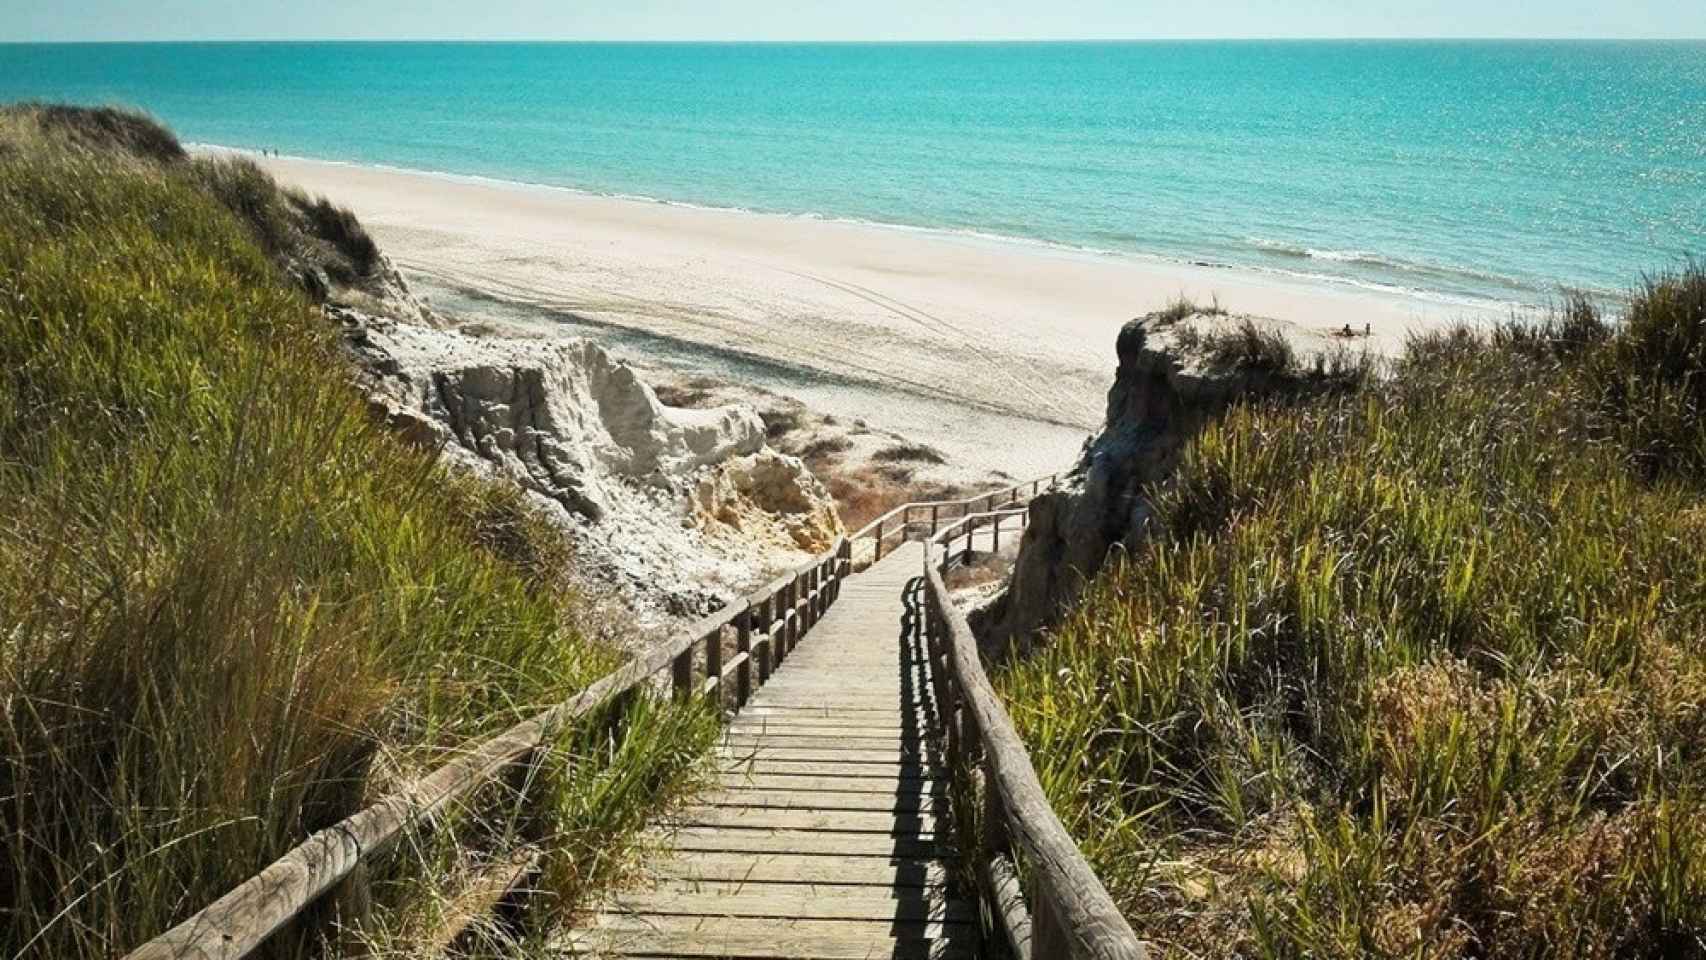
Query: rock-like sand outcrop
[(1164, 391), (680, 509)]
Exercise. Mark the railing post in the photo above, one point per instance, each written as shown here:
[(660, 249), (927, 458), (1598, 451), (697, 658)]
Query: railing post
[(995, 535), (352, 908), (766, 626), (814, 598), (743, 645), (681, 670), (791, 616), (1048, 937), (714, 664), (935, 511), (879, 535)]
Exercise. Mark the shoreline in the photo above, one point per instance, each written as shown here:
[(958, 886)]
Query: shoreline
[(996, 352), (1476, 303)]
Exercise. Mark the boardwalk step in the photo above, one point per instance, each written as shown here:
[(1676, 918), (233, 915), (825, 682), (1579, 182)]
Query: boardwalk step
[(892, 873), (714, 840), (806, 799), (846, 821), (828, 944), (792, 901)]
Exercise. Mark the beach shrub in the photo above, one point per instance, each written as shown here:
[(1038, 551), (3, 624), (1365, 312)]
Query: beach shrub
[(1413, 669), (233, 609), (108, 128)]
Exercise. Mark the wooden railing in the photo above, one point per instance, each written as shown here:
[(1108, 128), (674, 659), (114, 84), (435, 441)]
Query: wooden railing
[(1065, 912), (767, 625), (966, 528), (923, 519)]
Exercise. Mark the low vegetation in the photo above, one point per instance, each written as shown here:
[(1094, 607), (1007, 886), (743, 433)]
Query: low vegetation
[(909, 453), (232, 609), (1413, 669)]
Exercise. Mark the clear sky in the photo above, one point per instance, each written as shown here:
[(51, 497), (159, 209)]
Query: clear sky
[(841, 20)]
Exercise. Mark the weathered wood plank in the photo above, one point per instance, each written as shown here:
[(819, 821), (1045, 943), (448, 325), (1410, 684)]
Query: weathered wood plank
[(891, 802), (847, 821), (828, 711), (794, 782), (781, 927), (764, 751), (755, 946), (762, 726), (793, 901), (735, 767), (723, 840), (889, 873), (903, 746)]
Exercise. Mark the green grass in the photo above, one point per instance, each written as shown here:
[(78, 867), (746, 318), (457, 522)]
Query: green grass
[(232, 608), (1414, 669)]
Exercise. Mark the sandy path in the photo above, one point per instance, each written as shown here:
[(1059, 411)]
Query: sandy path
[(1000, 352)]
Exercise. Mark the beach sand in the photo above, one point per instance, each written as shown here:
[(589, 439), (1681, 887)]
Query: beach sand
[(997, 352)]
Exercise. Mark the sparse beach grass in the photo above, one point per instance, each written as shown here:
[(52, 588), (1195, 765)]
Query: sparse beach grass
[(1414, 669), (232, 608)]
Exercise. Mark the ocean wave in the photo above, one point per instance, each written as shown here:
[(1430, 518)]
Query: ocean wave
[(1401, 265)]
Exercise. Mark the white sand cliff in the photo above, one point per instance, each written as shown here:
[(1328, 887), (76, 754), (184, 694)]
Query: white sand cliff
[(678, 509)]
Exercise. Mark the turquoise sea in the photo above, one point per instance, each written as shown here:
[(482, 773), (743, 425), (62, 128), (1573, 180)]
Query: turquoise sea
[(1478, 170)]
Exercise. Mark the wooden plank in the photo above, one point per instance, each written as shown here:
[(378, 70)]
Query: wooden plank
[(827, 711), (793, 782), (736, 767), (794, 901), (762, 752), (747, 945), (782, 928), (811, 869), (828, 800), (759, 726), (722, 840), (895, 746), (781, 818)]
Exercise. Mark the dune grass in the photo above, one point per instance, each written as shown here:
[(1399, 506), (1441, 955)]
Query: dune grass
[(233, 609), (1415, 670)]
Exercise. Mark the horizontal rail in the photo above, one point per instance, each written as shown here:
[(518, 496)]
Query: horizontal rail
[(236, 924), (878, 531), (968, 526), (1067, 912)]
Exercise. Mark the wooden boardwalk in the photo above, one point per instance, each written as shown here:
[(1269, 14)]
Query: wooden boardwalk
[(827, 835)]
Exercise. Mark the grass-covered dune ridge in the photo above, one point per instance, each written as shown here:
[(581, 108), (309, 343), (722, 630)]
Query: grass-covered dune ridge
[(1414, 670), (232, 609)]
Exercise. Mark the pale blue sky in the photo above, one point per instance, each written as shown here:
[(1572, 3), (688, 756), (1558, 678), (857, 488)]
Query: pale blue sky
[(842, 20)]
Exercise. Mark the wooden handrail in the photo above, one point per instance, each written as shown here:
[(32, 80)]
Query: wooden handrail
[(938, 510), (971, 523), (239, 922), (1067, 912)]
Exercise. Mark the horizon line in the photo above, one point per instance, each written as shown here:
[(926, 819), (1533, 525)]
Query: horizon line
[(919, 41)]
